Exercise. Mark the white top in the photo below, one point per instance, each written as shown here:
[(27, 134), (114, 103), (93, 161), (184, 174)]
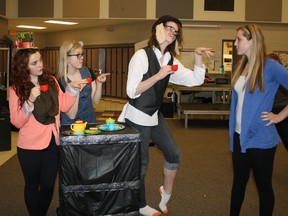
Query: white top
[(138, 66), (240, 92)]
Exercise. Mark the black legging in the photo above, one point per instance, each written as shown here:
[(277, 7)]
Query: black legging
[(261, 162), (39, 168)]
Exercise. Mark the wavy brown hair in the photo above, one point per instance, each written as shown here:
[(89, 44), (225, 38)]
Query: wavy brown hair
[(20, 75), (171, 47)]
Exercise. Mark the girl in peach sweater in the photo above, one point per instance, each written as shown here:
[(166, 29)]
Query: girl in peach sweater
[(36, 114)]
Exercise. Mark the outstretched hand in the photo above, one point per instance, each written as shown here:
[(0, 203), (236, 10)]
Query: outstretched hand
[(79, 84), (203, 50), (102, 77)]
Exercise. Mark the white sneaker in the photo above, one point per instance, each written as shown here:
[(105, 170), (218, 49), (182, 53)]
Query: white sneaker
[(148, 211)]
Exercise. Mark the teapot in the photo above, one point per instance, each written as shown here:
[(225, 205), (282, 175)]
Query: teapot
[(78, 126)]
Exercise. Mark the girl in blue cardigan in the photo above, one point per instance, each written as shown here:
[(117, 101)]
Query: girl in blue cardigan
[(253, 138)]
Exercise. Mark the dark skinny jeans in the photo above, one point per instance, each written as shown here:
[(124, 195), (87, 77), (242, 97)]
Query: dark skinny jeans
[(164, 141)]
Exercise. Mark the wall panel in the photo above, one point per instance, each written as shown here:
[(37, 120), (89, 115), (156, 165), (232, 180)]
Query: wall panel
[(219, 5), (35, 8), (127, 8), (3, 7), (83, 8), (237, 15), (263, 10), (172, 7)]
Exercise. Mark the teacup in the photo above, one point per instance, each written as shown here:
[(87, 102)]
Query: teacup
[(78, 126), (174, 67), (89, 80), (44, 88), (110, 123)]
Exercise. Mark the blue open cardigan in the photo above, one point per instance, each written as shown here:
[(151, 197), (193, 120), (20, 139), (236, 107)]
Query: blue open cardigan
[(254, 133)]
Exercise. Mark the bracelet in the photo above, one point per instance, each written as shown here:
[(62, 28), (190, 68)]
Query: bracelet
[(30, 101)]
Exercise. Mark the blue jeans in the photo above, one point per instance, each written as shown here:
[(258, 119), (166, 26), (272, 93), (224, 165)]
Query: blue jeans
[(164, 140)]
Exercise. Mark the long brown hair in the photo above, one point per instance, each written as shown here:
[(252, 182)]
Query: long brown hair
[(20, 75), (256, 60)]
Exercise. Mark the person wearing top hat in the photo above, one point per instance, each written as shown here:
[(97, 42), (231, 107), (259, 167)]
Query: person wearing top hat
[(150, 70)]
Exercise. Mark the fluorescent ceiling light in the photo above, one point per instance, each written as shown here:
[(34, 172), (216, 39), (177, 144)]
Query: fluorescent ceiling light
[(60, 22), (30, 27)]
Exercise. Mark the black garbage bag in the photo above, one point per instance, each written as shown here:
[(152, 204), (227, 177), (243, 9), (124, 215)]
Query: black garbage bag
[(99, 179)]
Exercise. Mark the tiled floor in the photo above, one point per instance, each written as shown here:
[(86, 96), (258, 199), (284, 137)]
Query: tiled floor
[(105, 104)]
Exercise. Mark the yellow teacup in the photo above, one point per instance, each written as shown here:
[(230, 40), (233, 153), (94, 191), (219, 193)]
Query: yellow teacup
[(78, 126)]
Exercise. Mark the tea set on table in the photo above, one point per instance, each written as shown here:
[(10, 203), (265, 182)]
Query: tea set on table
[(79, 127)]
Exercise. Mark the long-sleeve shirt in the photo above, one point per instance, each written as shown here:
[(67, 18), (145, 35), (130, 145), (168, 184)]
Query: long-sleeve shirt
[(138, 66), (254, 133), (32, 134)]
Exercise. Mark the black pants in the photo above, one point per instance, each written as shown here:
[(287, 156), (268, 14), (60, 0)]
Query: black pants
[(282, 127), (261, 162), (39, 168)]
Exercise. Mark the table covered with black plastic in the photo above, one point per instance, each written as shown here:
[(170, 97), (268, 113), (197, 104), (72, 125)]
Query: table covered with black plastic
[(99, 174)]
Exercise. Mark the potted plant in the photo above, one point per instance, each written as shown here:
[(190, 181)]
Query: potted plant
[(24, 39)]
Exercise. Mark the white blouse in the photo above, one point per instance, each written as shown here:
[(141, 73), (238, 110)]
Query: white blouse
[(240, 92), (138, 66)]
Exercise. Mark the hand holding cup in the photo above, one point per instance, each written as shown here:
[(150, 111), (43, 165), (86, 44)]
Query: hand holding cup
[(89, 80), (174, 67), (44, 88)]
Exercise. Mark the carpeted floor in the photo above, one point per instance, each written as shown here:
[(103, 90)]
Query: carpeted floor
[(203, 183)]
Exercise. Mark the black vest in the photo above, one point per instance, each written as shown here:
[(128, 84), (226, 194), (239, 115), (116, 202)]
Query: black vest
[(151, 100)]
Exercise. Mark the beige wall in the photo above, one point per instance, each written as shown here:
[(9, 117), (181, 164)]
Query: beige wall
[(121, 34), (276, 36)]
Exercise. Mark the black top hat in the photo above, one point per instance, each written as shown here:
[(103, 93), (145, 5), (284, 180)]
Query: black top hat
[(164, 19)]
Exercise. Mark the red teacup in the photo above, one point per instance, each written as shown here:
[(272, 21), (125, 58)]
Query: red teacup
[(174, 67), (44, 88), (89, 80)]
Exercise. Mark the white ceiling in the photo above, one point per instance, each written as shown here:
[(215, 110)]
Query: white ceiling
[(83, 23)]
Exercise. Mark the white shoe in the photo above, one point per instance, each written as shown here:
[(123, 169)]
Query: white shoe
[(148, 211), (164, 200)]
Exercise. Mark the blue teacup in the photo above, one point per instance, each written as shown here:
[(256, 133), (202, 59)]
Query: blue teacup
[(110, 125)]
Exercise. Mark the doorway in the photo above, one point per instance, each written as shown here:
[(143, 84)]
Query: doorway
[(229, 55)]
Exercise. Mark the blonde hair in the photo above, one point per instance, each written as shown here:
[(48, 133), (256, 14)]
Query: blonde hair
[(256, 59), (66, 48)]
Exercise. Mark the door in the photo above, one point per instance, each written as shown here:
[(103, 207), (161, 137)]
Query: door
[(4, 74)]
